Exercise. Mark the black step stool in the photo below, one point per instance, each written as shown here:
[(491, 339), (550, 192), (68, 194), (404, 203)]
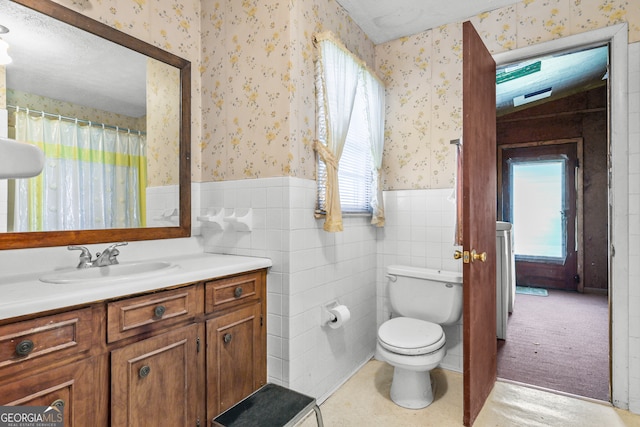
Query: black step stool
[(269, 406)]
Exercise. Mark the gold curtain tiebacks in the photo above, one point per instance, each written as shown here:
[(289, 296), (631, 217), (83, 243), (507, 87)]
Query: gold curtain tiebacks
[(326, 155)]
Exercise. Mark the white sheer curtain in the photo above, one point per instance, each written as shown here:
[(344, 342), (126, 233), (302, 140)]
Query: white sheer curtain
[(336, 83), (344, 82), (375, 109), (93, 178)]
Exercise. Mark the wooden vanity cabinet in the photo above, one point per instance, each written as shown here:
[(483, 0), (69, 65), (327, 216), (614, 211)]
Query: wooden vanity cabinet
[(234, 352), (70, 388), (175, 357), (48, 361), (236, 339), (154, 381), (154, 344)]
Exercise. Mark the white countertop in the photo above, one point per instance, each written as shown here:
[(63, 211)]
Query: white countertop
[(24, 294)]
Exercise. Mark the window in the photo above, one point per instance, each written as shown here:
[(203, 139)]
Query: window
[(355, 174), (538, 210), (350, 109)]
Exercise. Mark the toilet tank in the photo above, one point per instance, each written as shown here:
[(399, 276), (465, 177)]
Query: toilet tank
[(422, 293)]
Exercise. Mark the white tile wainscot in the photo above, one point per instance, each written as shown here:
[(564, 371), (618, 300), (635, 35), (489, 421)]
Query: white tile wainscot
[(310, 269)]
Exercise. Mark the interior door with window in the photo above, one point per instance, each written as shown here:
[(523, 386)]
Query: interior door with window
[(539, 198)]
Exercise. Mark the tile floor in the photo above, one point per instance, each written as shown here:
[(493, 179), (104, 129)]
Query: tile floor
[(364, 401)]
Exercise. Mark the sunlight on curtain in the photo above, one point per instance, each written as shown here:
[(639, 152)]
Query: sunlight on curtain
[(375, 108), (337, 80), (94, 177)]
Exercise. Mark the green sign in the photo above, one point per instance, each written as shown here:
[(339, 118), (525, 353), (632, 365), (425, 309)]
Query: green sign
[(505, 76)]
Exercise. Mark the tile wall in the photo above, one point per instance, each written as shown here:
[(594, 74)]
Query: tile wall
[(310, 269), (634, 227), (162, 201)]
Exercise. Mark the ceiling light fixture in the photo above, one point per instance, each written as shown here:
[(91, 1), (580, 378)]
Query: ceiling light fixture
[(532, 97), (4, 48)]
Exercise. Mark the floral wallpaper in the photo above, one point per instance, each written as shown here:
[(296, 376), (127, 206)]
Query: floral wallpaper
[(163, 124), (55, 106), (253, 107), (424, 78), (258, 91)]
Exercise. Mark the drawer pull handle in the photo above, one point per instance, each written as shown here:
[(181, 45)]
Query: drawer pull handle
[(227, 338), (58, 403), (237, 292), (159, 311), (144, 371), (24, 347)]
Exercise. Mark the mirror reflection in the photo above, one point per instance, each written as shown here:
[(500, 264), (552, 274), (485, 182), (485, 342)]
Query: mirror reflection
[(107, 118)]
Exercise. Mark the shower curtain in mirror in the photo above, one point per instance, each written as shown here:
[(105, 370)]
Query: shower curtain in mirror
[(94, 177)]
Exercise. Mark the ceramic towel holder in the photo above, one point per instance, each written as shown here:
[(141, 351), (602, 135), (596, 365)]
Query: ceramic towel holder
[(238, 220), (170, 216), (213, 218)]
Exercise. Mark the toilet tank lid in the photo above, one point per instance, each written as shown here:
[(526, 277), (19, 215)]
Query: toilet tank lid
[(425, 273)]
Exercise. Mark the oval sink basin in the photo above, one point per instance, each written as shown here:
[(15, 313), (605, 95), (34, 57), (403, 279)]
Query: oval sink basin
[(108, 273)]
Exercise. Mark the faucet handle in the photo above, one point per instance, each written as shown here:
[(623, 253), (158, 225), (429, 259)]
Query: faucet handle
[(85, 256), (111, 252), (118, 244), (113, 256), (85, 251)]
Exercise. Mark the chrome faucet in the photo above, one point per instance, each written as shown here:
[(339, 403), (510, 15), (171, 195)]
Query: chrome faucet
[(107, 257)]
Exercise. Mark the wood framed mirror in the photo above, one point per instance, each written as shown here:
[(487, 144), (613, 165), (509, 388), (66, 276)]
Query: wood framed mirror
[(171, 174)]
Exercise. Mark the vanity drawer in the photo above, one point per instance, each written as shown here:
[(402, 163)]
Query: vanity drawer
[(231, 291), (46, 338), (133, 316)]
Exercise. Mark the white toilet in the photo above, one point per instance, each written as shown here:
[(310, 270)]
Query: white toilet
[(413, 340)]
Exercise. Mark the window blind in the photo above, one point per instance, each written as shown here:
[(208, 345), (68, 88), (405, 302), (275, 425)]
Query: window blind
[(355, 171)]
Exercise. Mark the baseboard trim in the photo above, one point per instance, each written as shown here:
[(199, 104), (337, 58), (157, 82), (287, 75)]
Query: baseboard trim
[(598, 291)]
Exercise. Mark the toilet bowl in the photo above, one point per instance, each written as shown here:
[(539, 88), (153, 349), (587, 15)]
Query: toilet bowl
[(414, 343)]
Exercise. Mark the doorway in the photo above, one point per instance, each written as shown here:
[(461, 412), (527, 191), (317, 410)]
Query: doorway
[(617, 37), (548, 232)]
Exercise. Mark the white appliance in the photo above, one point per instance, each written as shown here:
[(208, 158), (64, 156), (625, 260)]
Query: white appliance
[(505, 276)]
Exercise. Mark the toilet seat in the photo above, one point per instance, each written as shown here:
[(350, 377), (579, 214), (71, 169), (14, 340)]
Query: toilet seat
[(405, 335)]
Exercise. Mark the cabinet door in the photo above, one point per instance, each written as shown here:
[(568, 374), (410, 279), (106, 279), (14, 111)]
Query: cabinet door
[(69, 387), (235, 358), (153, 382)]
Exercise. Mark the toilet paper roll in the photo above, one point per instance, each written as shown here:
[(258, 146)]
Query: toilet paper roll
[(340, 314)]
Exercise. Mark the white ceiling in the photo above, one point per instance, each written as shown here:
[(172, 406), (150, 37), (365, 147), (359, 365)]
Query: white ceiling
[(387, 20), (58, 61)]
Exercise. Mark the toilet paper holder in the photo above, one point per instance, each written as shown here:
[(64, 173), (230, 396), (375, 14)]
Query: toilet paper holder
[(337, 320), (327, 316)]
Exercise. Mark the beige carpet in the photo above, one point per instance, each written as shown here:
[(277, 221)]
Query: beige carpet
[(559, 342), (364, 401)]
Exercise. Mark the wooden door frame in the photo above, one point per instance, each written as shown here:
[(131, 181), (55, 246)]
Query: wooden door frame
[(579, 191)]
